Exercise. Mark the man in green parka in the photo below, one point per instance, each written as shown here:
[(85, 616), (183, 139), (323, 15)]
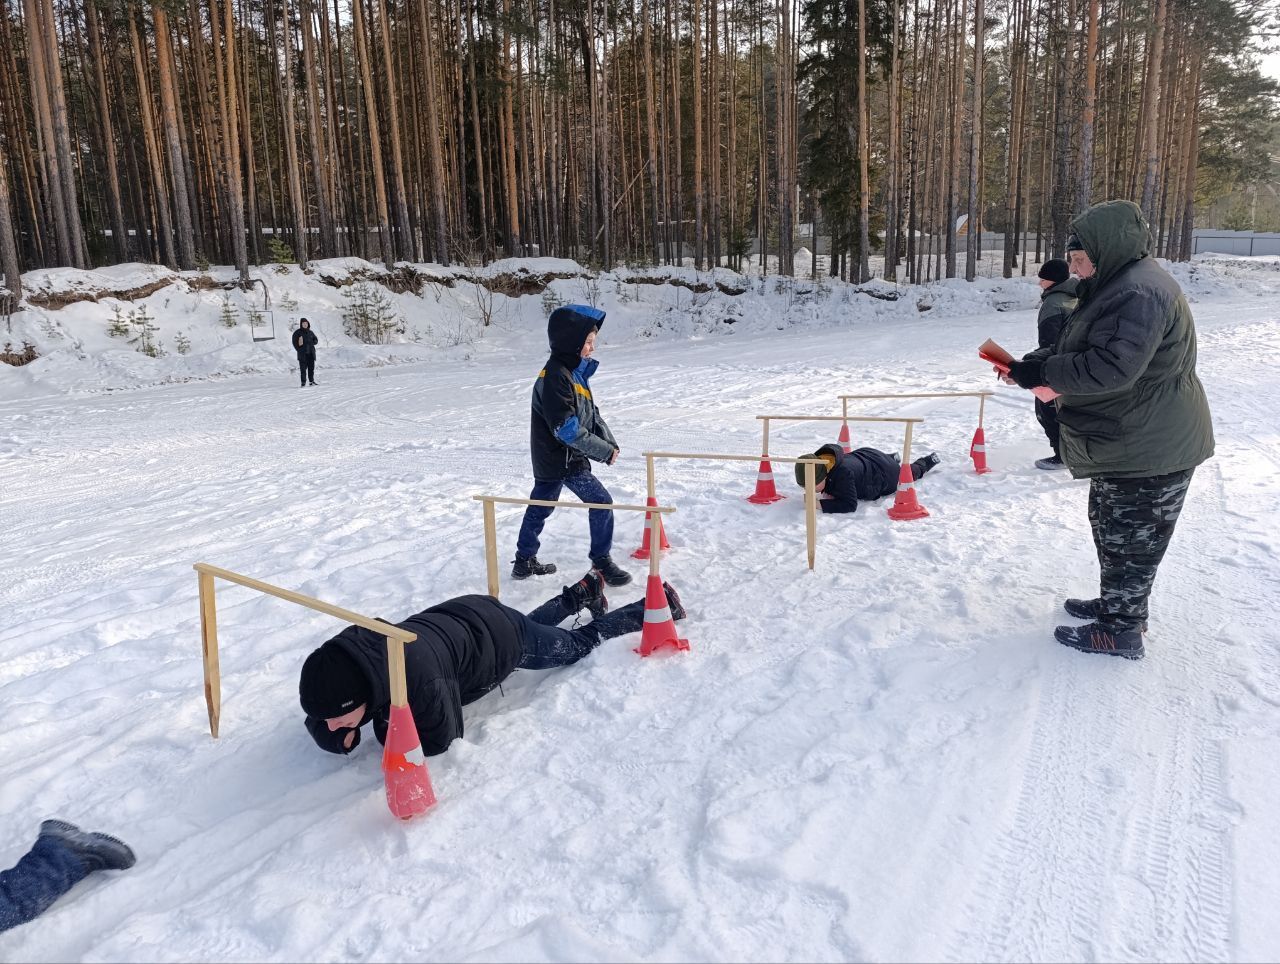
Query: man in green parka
[(1132, 413)]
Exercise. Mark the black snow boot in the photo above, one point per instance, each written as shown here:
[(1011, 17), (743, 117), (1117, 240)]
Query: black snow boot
[(921, 466), (1097, 638), (1051, 462), (587, 593), (97, 850), (673, 600), (1089, 609), (610, 572), (524, 568)]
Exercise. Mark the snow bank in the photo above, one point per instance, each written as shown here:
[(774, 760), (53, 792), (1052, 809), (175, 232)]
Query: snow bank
[(447, 315)]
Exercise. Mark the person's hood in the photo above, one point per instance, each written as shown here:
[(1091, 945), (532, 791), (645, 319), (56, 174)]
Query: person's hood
[(1113, 234), (568, 327)]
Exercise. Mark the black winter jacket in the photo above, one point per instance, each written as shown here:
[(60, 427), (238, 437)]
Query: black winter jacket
[(565, 427), (1131, 404), (866, 474), (465, 647), (305, 341), (1056, 305)]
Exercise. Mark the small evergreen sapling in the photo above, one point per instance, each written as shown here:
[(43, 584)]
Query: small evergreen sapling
[(145, 339), (228, 316)]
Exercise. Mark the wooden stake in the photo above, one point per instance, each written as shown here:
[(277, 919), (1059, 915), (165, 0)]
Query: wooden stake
[(209, 644), (906, 446), (982, 405), (655, 542), (395, 672), (764, 445), (811, 509), (648, 471), (491, 547)]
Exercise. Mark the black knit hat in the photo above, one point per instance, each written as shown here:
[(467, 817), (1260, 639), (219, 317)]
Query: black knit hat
[(1055, 270), (332, 683), (1074, 243)]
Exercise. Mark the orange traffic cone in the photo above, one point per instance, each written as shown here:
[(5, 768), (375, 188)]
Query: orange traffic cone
[(404, 767), (766, 491), (844, 438), (659, 628), (978, 452), (905, 506), (643, 551)]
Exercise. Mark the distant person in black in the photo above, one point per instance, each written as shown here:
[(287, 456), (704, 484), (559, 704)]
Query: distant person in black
[(844, 478), (304, 342)]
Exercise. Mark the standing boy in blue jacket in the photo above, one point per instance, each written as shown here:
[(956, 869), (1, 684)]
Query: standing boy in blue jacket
[(567, 433)]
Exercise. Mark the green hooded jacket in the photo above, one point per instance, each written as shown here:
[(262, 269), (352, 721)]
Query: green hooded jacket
[(1131, 404)]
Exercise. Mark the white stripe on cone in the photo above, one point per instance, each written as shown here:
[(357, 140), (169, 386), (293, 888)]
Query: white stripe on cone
[(903, 486), (765, 477), (658, 615), (415, 756), (980, 448)]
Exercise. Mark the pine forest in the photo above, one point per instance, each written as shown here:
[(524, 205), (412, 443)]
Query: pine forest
[(239, 132)]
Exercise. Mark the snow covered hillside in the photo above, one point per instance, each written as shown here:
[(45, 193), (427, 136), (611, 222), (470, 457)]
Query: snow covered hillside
[(887, 758)]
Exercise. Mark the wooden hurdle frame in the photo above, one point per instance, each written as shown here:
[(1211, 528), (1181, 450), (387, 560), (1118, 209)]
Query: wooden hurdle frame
[(981, 396), (810, 489), (396, 637), (491, 526), (906, 443)]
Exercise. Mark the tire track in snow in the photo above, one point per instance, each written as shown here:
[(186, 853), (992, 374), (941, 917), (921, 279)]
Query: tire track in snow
[(1118, 847)]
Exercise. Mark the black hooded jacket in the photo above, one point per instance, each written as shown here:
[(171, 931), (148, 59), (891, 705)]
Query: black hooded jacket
[(305, 341), (865, 474), (565, 426), (465, 647)]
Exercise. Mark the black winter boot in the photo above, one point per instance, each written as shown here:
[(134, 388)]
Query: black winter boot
[(524, 568), (1088, 609), (610, 572), (923, 465), (587, 593), (673, 600), (1097, 638), (97, 850)]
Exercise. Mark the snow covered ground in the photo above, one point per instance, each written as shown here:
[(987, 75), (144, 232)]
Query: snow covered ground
[(887, 758)]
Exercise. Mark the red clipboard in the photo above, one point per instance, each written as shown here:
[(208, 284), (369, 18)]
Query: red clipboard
[(992, 352)]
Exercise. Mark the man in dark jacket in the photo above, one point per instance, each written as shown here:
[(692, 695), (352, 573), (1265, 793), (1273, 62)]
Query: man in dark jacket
[(1057, 301), (465, 647), (1133, 415), (566, 433), (304, 343), (865, 474)]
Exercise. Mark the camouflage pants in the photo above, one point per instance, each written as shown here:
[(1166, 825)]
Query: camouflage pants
[(1132, 522)]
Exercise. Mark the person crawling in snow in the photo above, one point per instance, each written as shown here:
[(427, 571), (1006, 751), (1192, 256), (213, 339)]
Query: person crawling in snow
[(566, 433), (466, 647), (865, 474)]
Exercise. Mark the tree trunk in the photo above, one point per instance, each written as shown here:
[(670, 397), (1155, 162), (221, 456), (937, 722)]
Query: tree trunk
[(186, 250)]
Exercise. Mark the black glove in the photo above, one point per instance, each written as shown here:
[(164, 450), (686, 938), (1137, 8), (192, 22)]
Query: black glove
[(1028, 374)]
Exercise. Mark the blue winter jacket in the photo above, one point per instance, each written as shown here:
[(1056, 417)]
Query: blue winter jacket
[(565, 426)]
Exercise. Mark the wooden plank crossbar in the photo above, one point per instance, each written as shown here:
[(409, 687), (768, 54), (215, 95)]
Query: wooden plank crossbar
[(810, 490), (981, 396), (921, 395), (396, 637), (491, 525), (909, 422)]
